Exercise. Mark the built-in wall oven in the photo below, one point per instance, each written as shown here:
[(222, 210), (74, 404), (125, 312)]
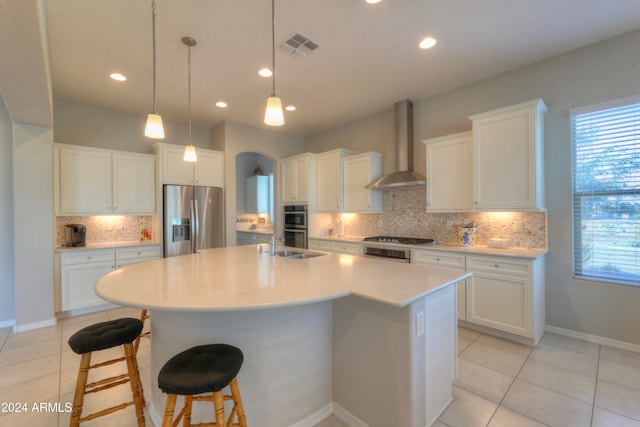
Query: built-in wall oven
[(295, 226)]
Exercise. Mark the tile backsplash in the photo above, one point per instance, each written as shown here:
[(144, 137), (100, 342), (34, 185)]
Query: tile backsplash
[(108, 228), (405, 215)]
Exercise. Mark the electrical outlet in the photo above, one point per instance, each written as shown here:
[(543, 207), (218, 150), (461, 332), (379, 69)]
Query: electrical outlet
[(449, 223), (518, 227), (420, 324)]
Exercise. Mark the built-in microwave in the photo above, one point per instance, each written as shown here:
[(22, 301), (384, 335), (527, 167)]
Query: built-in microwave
[(295, 216)]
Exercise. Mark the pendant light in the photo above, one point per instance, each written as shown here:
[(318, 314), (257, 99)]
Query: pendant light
[(154, 128), (273, 115), (189, 150)]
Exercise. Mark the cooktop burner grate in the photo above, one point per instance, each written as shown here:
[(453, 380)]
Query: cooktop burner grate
[(401, 240)]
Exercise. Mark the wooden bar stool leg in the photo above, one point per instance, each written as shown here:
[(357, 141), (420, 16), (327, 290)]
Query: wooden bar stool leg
[(218, 404), (78, 396), (188, 407), (169, 407), (237, 402), (134, 381)]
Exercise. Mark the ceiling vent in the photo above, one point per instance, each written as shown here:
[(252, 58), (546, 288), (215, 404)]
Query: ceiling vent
[(299, 46)]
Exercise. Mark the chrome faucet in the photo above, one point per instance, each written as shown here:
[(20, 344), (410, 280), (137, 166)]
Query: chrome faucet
[(274, 241)]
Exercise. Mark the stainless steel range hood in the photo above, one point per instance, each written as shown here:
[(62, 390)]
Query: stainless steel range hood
[(404, 175)]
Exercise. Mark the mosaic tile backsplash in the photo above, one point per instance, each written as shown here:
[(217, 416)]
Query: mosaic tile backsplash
[(404, 215), (108, 228)]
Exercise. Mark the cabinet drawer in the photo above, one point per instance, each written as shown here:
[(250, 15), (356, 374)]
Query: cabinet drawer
[(442, 259), (320, 245), (85, 257), (346, 248), (498, 265), (138, 252)]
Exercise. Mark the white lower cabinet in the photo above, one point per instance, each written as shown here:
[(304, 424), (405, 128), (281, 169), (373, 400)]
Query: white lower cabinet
[(248, 238), (449, 260), (80, 270), (337, 247), (505, 294)]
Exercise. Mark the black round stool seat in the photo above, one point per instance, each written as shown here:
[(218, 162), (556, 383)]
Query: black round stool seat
[(201, 369), (103, 335)]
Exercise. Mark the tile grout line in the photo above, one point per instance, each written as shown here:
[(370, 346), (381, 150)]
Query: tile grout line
[(595, 388)]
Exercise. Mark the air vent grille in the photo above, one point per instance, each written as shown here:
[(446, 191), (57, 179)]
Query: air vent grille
[(299, 46)]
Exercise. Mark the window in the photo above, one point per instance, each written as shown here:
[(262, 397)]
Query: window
[(606, 192)]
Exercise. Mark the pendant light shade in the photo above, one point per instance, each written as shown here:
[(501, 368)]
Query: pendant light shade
[(189, 151), (273, 115), (154, 128)]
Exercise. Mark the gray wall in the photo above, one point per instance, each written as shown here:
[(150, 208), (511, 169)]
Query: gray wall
[(80, 124), (604, 71), (7, 281)]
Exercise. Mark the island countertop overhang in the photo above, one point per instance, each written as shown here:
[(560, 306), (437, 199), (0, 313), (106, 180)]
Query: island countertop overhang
[(242, 278)]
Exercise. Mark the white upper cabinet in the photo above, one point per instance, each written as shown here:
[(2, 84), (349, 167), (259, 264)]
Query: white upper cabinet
[(450, 173), (360, 170), (299, 180), (330, 180), (94, 181), (508, 158), (208, 171)]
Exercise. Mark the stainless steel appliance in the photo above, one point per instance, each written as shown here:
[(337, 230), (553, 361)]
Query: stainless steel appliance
[(193, 219), (295, 226), (396, 254), (75, 235)]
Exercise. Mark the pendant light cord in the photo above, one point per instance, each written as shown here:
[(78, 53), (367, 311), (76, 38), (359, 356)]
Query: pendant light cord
[(153, 29), (273, 45), (189, 85)]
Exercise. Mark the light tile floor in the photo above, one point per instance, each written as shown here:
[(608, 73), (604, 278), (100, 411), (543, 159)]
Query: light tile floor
[(562, 382)]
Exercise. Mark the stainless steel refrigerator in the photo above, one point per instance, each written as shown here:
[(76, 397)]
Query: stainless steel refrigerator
[(193, 219)]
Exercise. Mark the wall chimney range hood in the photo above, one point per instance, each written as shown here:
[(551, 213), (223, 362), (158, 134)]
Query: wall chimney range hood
[(404, 175)]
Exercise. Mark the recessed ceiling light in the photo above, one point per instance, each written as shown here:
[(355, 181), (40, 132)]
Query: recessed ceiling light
[(427, 43), (117, 76), (265, 72), (290, 108), (372, 1), (221, 104)]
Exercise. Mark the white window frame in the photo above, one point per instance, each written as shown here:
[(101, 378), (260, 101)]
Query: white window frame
[(607, 259)]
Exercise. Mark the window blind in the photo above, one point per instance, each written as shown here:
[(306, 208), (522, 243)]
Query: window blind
[(606, 194)]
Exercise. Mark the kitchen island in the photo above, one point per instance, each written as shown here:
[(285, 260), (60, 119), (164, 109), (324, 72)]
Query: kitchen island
[(373, 342)]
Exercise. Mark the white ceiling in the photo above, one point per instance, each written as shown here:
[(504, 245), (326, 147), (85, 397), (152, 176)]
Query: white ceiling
[(367, 59)]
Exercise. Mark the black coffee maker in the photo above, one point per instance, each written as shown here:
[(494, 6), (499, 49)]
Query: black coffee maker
[(75, 235)]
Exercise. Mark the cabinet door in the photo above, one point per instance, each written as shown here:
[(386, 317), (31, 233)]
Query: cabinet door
[(507, 152), (301, 180), (85, 181), (449, 166), (78, 284), (501, 302), (209, 169), (289, 181), (134, 184), (174, 169), (329, 181), (359, 171)]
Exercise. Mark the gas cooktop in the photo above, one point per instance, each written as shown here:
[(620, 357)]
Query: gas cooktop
[(400, 240)]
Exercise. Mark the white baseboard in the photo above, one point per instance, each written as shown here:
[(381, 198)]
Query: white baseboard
[(34, 325), (594, 338), (347, 417), (7, 323), (314, 418)]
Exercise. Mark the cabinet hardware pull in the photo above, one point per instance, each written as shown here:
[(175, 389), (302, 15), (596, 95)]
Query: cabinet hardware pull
[(496, 265), (89, 257)]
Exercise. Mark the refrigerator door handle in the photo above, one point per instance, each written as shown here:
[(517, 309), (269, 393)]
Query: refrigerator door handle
[(196, 223)]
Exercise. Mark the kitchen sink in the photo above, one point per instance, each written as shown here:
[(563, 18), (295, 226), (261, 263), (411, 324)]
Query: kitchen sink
[(293, 254)]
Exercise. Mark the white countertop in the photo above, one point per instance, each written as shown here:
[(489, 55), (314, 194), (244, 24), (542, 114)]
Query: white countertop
[(515, 252), (105, 245), (240, 278)]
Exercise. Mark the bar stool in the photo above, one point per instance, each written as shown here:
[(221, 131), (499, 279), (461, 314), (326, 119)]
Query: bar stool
[(144, 316), (102, 336), (203, 369)]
